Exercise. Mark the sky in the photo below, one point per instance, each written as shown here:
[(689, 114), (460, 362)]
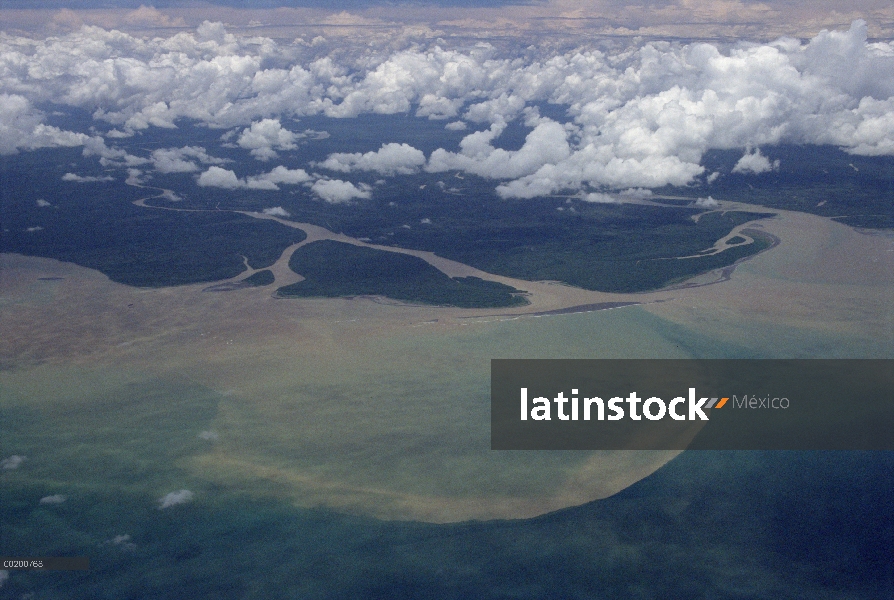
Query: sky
[(758, 20), (639, 112)]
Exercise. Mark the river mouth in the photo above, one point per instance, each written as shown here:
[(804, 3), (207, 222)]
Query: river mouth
[(380, 409)]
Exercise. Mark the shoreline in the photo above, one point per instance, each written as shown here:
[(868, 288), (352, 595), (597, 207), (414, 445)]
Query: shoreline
[(542, 296)]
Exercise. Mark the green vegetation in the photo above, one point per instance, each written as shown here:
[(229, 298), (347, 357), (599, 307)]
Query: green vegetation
[(629, 250), (610, 247), (97, 225), (736, 239), (335, 269), (594, 246), (822, 180), (260, 278)]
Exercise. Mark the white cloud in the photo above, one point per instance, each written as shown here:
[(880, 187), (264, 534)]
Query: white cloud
[(135, 177), (225, 178), (600, 198), (54, 499), (149, 16), (175, 498), (546, 144), (182, 160), (755, 162), (264, 137), (21, 126), (708, 202), (276, 211), (501, 109), (221, 178), (638, 193), (112, 157), (86, 178), (210, 435), (641, 117), (455, 126), (338, 191), (43, 203), (868, 130), (13, 462), (390, 159), (282, 175)]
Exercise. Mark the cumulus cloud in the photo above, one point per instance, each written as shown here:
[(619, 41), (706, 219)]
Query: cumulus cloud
[(390, 159), (637, 193), (227, 179), (276, 211), (600, 198), (21, 127), (708, 202), (221, 178), (175, 498), (13, 462), (135, 177), (284, 176), (501, 109), (110, 156), (265, 137), (182, 160), (43, 203), (337, 191), (639, 117), (755, 162), (148, 16), (54, 499), (546, 144), (86, 178)]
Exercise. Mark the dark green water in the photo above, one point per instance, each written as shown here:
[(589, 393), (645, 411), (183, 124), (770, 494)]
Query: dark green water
[(707, 525)]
